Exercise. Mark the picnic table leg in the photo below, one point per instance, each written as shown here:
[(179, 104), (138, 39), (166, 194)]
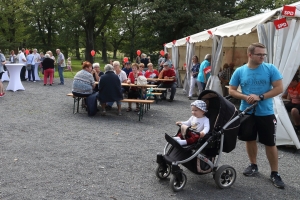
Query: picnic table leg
[(78, 99), (74, 105)]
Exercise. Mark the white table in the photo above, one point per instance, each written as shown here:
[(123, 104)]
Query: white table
[(15, 81), (5, 76), (36, 71)]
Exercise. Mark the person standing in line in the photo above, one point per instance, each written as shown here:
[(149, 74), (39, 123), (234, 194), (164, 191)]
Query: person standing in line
[(22, 59), (36, 61), (194, 74), (12, 57), (48, 67), (259, 82), (2, 63), (202, 77), (60, 66), (30, 61)]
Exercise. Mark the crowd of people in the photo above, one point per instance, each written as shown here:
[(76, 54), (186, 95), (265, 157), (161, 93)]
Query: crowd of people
[(107, 84), (32, 59)]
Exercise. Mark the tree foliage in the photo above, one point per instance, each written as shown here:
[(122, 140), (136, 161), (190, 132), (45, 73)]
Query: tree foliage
[(113, 25)]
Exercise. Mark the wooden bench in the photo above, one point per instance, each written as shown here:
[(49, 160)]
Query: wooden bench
[(76, 99), (157, 89), (144, 105)]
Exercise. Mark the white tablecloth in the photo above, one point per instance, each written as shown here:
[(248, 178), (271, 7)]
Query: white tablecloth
[(15, 81), (5, 76), (36, 71)]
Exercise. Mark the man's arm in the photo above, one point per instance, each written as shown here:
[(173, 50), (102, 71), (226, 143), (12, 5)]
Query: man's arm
[(236, 94), (276, 90)]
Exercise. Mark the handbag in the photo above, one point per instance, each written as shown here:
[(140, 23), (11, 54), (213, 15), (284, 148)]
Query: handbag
[(141, 80), (28, 67)]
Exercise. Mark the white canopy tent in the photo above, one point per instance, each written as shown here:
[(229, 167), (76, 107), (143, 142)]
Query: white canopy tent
[(233, 38)]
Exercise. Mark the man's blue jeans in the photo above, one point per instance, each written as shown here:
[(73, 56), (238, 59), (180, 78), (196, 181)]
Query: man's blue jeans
[(61, 74)]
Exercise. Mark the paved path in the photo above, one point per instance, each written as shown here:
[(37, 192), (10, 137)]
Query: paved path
[(49, 153)]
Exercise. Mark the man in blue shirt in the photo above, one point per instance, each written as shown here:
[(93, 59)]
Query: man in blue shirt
[(202, 77), (260, 82)]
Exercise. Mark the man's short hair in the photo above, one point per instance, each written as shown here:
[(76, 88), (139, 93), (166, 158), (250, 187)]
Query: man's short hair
[(252, 47), (96, 65), (108, 67)]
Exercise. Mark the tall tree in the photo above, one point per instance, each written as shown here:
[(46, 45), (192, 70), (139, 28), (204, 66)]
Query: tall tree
[(92, 16)]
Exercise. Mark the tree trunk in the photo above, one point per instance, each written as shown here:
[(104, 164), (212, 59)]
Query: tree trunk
[(104, 49), (89, 32), (77, 45), (115, 54)]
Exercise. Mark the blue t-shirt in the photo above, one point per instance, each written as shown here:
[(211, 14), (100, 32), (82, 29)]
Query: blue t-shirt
[(256, 81), (203, 65)]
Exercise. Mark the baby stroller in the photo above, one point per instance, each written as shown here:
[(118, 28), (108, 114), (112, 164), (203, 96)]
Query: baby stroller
[(204, 156)]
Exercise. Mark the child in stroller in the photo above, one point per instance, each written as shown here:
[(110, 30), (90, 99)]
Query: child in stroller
[(198, 122), (203, 156)]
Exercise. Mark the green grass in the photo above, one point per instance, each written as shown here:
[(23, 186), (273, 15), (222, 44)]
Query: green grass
[(76, 66)]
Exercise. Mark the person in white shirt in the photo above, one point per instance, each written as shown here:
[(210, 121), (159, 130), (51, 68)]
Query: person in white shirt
[(22, 59), (198, 121)]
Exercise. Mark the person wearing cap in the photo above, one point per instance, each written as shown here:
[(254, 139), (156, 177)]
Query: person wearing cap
[(168, 73), (127, 69), (198, 121), (202, 77)]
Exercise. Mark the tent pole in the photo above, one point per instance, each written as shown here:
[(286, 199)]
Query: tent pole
[(233, 50)]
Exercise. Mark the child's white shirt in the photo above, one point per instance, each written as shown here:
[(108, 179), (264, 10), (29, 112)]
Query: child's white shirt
[(200, 124)]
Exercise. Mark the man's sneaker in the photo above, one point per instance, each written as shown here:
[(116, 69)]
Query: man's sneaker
[(277, 182), (251, 170)]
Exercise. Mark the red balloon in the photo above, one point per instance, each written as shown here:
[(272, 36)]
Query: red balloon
[(93, 53), (162, 53), (138, 52), (26, 51), (125, 59)]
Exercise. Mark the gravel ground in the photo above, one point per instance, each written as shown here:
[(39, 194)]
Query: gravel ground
[(47, 152)]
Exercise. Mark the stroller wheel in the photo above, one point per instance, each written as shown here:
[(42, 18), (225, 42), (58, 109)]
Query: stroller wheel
[(162, 172), (176, 184), (225, 176)]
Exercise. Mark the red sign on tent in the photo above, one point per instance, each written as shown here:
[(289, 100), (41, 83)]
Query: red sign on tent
[(280, 23), (289, 11), (207, 70)]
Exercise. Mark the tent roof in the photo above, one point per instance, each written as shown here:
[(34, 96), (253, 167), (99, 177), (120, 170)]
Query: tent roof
[(234, 28)]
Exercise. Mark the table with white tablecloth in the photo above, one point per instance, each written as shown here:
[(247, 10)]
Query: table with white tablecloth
[(14, 73), (36, 71)]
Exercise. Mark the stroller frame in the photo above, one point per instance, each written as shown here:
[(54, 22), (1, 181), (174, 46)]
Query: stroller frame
[(224, 176)]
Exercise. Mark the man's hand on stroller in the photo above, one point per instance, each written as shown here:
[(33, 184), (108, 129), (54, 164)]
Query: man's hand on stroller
[(252, 98)]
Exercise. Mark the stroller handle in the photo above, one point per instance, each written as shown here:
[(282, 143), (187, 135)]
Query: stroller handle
[(249, 108)]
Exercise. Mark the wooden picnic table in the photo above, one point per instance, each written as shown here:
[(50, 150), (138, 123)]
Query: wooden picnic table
[(159, 79), (133, 85)]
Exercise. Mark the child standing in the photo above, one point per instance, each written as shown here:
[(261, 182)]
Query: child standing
[(198, 121), (69, 66)]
